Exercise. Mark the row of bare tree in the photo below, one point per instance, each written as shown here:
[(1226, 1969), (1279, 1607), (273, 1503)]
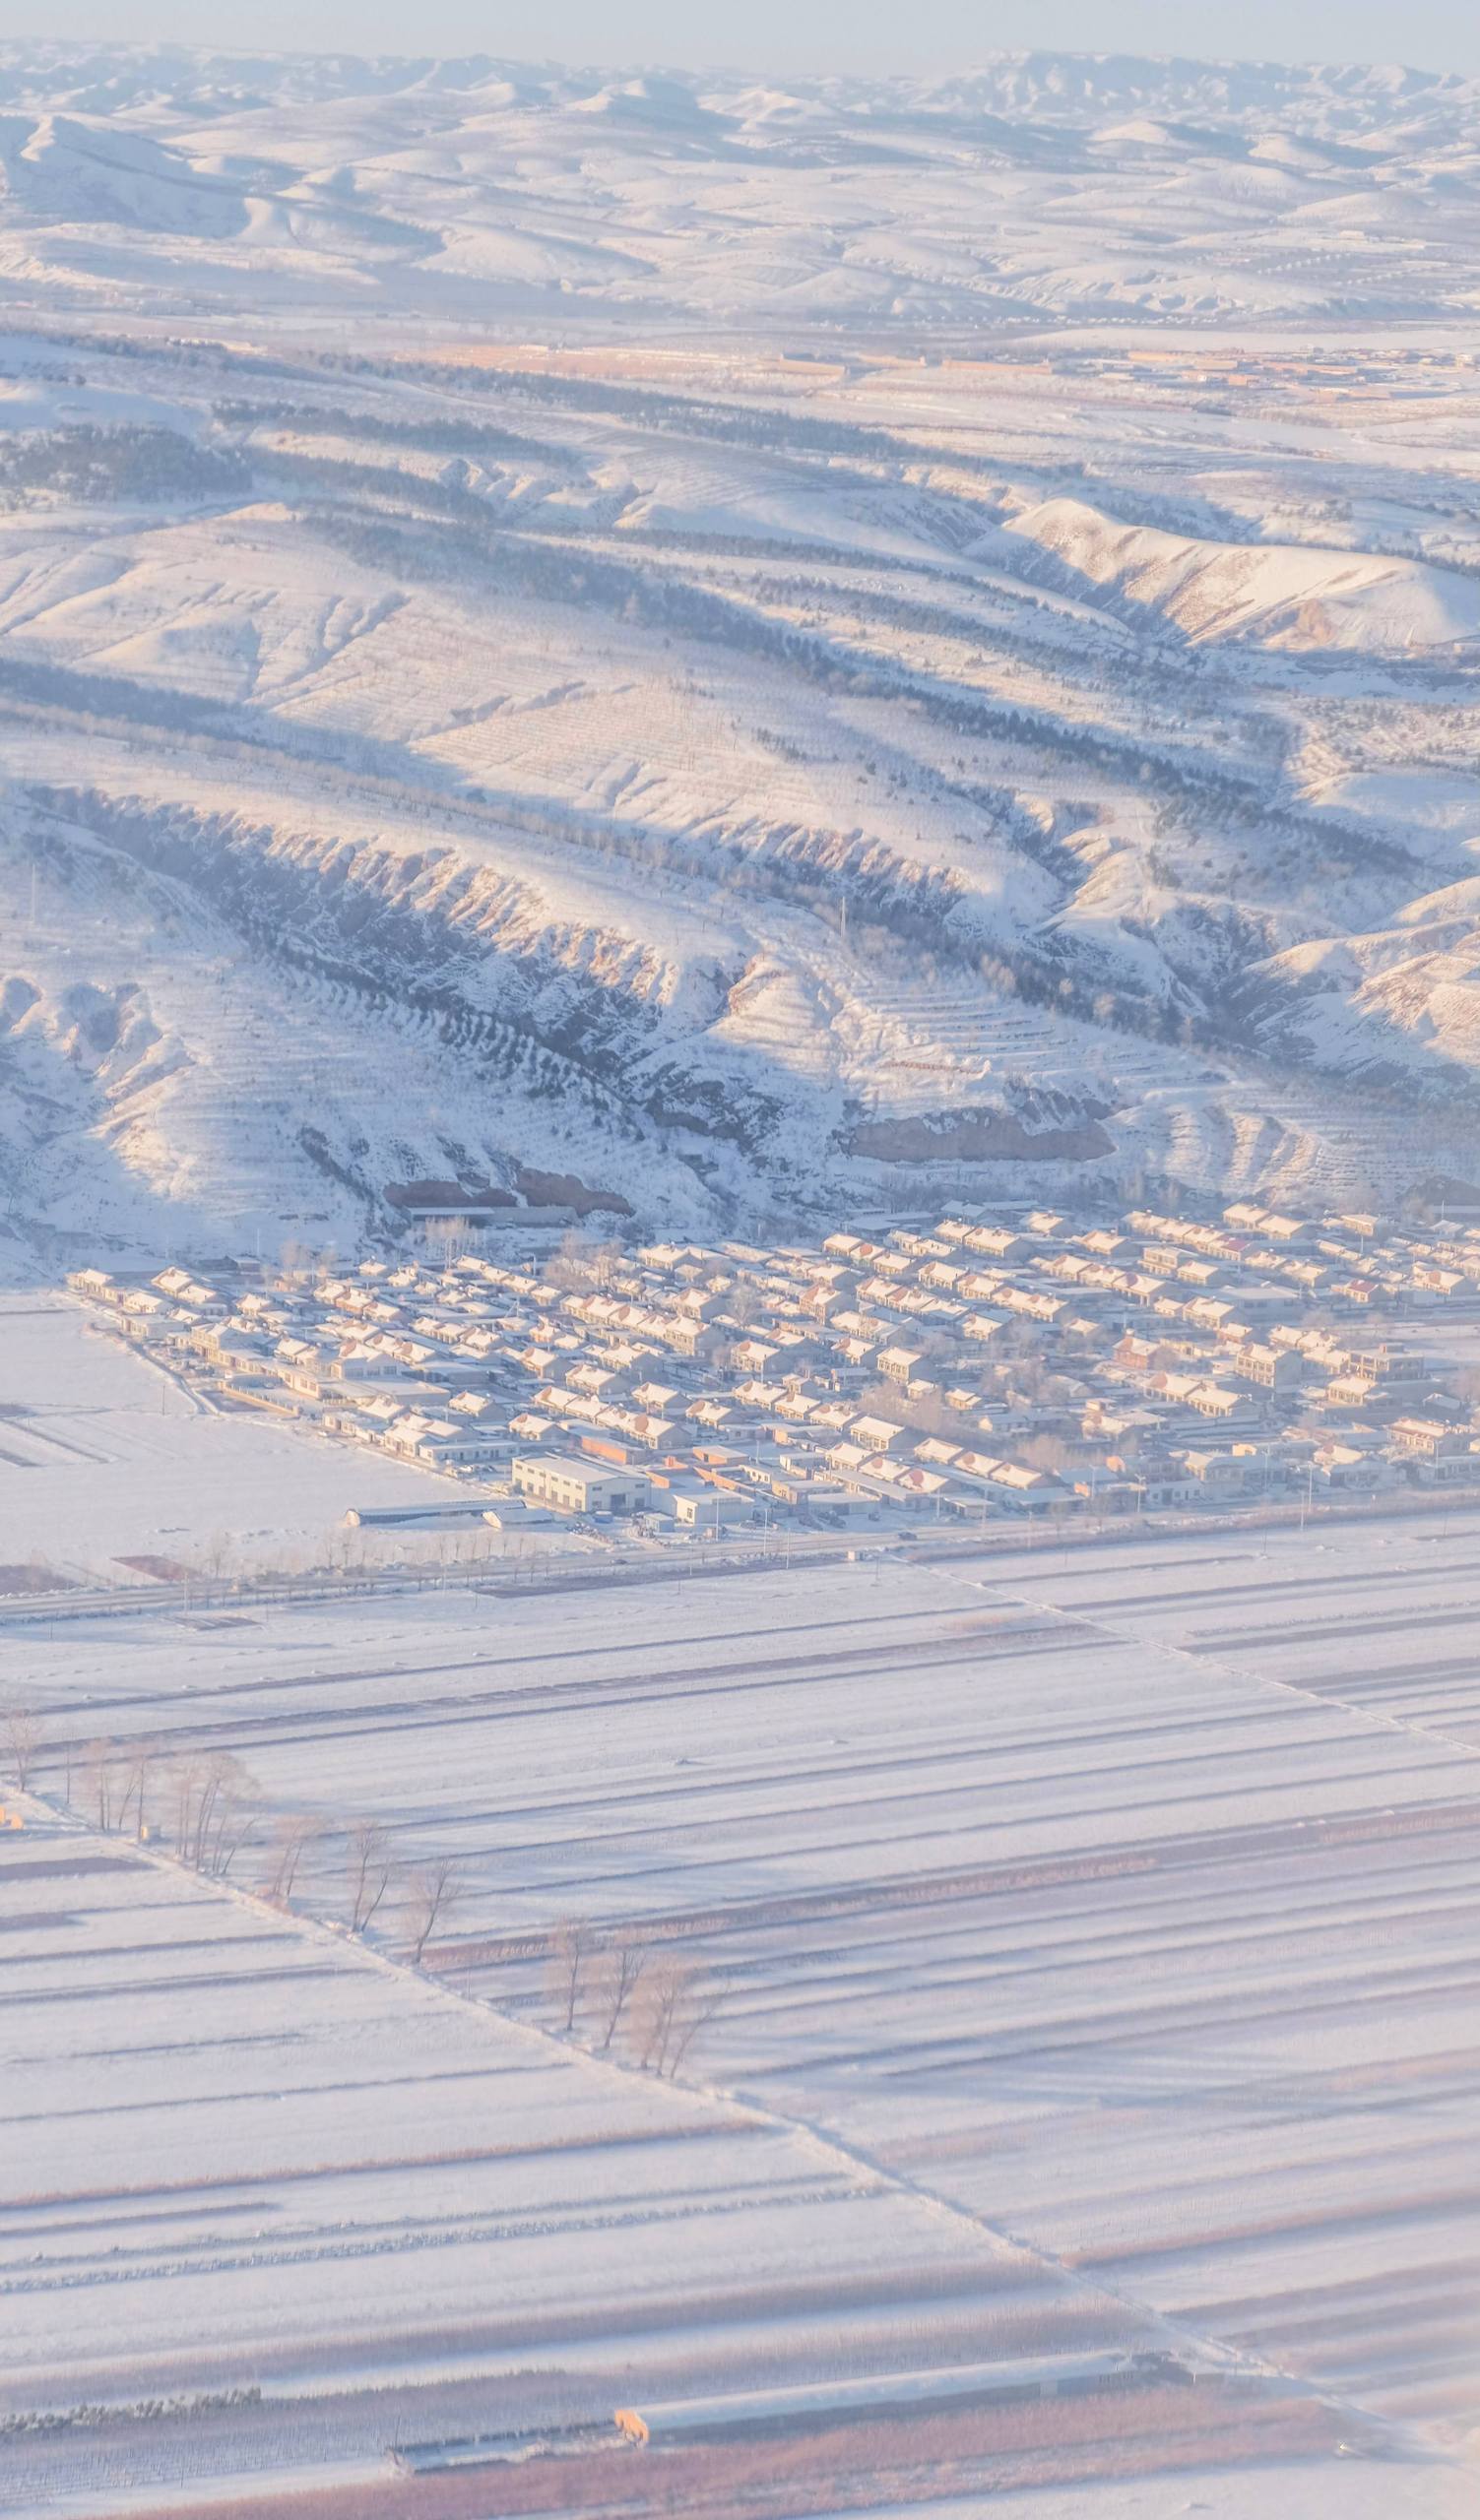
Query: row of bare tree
[(621, 1988), (206, 1793), (610, 1989), (201, 1800), (427, 1893), (22, 1742), (424, 1893), (205, 1806)]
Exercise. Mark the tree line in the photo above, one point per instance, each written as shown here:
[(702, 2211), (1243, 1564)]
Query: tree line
[(614, 1993), (616, 1988)]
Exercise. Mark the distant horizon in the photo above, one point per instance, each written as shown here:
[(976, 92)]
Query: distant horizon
[(1179, 58), (815, 39)]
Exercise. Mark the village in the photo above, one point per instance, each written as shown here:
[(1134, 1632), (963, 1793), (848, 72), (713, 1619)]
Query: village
[(1022, 1365)]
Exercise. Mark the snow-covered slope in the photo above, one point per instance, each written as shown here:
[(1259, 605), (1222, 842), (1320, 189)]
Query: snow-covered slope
[(1286, 594), (57, 169), (771, 646)]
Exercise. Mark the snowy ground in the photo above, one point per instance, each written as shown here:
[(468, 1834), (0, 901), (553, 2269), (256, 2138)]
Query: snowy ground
[(104, 1456), (1097, 1924), (647, 627), (975, 616)]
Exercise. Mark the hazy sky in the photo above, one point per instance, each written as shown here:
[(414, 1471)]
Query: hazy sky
[(808, 34)]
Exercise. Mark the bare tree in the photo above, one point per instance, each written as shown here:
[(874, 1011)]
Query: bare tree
[(618, 1977), (138, 1767), (214, 1811), (650, 2020), (98, 1780), (292, 1839), (212, 1778), (570, 1266), (674, 2001), (434, 1889), (583, 1260), (573, 1946), (22, 1742), (742, 1303), (700, 2002), (233, 1826), (185, 1780), (371, 1869)]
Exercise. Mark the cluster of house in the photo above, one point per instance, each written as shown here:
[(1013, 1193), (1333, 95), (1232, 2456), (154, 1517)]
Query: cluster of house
[(1020, 1364)]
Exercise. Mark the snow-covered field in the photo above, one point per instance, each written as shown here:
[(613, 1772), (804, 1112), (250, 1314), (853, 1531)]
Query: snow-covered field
[(104, 1456), (1093, 1936)]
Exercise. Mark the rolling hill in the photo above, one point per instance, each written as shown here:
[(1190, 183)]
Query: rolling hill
[(776, 647)]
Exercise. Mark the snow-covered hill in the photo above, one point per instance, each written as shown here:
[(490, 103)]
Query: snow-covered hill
[(1287, 595), (768, 646)]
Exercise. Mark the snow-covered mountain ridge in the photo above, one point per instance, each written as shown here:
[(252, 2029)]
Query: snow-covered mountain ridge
[(552, 617)]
